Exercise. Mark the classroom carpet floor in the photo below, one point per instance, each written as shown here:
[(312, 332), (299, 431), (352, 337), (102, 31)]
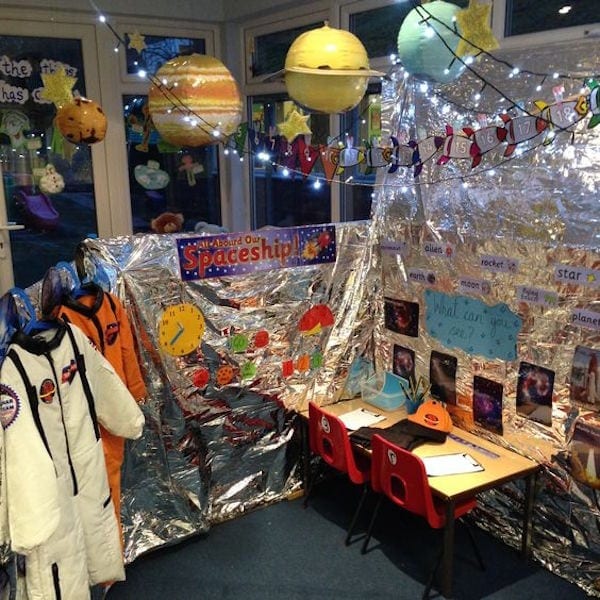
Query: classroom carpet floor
[(285, 551)]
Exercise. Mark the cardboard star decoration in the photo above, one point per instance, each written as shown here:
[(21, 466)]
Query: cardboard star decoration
[(474, 27), (136, 41), (294, 125), (58, 87)]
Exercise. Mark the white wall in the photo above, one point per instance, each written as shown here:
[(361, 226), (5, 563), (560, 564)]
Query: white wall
[(235, 10), (200, 10)]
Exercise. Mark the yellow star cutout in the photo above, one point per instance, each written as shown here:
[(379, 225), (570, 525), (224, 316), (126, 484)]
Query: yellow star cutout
[(473, 25), (294, 125), (137, 41), (57, 87)]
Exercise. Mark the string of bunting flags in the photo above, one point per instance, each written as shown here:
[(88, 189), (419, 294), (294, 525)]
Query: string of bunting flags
[(298, 155)]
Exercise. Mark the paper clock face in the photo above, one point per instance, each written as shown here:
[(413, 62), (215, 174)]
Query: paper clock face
[(180, 329)]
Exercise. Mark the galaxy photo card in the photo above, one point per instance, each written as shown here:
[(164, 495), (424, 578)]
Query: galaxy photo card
[(442, 376), (404, 362), (534, 393), (487, 404), (401, 316)]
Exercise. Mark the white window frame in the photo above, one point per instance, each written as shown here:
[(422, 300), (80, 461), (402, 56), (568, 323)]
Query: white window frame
[(280, 21), (532, 40), (41, 23), (255, 86), (115, 72)]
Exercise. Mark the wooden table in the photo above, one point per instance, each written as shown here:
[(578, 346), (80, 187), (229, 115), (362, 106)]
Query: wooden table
[(500, 466)]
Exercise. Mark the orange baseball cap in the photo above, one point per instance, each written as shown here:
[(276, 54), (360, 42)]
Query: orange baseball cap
[(432, 414)]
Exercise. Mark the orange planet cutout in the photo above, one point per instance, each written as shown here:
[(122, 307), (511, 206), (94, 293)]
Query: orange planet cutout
[(224, 375), (303, 363), (194, 98)]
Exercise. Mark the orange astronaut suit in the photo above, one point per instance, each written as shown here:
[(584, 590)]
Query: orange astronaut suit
[(104, 320)]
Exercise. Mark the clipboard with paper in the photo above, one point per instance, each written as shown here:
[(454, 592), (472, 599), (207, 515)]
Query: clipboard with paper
[(451, 464)]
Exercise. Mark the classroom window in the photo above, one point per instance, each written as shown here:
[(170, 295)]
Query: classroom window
[(281, 194), (378, 28), (158, 50), (269, 50), (522, 17), (164, 178), (362, 129), (48, 181)]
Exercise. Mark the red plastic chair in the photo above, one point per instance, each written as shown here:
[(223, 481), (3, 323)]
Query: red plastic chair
[(328, 438), (400, 476)]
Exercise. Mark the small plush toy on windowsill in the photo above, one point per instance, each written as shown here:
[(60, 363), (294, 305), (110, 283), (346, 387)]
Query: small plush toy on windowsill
[(167, 222)]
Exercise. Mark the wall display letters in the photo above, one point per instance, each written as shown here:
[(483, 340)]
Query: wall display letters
[(587, 319), (576, 275), (532, 295), (243, 253), (443, 250), (498, 264), (470, 285), (421, 276), (400, 247)]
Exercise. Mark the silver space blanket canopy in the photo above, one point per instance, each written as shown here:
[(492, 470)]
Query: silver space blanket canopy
[(487, 220), (220, 418)]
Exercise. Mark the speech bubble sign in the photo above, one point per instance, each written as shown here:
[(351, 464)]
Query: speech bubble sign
[(471, 325)]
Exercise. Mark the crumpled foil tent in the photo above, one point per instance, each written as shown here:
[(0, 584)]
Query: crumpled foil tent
[(539, 209), (211, 454)]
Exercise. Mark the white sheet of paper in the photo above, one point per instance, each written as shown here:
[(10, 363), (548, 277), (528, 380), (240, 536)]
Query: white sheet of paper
[(450, 464), (361, 417)]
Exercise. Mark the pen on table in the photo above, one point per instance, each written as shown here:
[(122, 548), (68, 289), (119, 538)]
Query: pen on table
[(369, 412)]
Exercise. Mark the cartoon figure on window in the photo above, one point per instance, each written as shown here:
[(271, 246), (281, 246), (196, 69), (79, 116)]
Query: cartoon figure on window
[(190, 168), (146, 129), (14, 123), (51, 182)]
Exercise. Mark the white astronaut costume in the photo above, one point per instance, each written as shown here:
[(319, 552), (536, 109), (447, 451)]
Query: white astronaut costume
[(54, 389)]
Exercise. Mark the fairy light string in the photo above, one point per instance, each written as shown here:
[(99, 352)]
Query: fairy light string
[(427, 15), (231, 146)]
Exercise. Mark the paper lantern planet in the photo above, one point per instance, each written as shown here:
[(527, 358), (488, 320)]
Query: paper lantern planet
[(82, 121), (427, 46), (327, 70), (195, 101)]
